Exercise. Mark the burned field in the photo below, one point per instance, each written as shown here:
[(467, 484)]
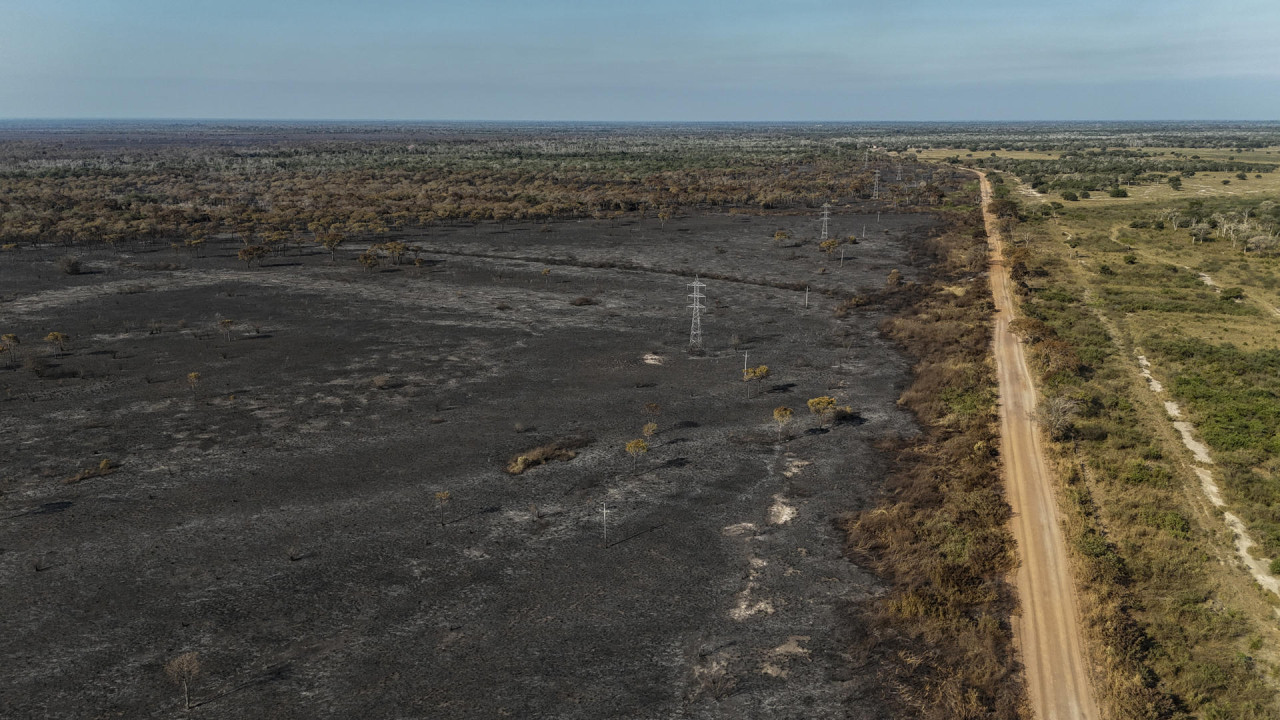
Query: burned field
[(299, 471)]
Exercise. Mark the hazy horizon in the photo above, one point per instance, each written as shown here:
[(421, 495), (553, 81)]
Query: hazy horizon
[(662, 61)]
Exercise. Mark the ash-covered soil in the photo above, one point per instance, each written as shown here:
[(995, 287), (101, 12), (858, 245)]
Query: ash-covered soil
[(279, 515)]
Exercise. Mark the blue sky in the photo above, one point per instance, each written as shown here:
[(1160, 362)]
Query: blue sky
[(641, 60)]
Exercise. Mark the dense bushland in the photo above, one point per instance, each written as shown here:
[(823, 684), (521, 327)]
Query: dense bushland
[(1233, 396)]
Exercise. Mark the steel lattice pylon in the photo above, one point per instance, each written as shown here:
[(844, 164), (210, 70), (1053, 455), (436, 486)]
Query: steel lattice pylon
[(695, 329)]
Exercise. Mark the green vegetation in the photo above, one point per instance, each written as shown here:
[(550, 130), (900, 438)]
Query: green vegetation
[(1099, 283)]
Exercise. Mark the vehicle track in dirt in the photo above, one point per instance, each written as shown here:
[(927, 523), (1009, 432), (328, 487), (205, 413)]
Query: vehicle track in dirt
[(1047, 631)]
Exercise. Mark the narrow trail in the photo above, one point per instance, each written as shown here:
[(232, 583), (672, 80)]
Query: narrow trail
[(1048, 630)]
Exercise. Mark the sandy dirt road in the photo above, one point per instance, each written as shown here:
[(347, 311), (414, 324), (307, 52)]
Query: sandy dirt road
[(1048, 631)]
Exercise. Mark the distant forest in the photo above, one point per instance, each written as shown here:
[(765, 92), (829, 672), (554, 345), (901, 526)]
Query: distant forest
[(276, 184)]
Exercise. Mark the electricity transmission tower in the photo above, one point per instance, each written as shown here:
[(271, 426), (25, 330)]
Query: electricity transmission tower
[(876, 194), (695, 329), (826, 217)]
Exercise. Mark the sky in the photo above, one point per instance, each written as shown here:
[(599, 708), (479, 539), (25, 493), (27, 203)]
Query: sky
[(641, 60)]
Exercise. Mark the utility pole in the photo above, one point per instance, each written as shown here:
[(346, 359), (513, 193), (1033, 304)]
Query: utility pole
[(604, 523), (695, 329)]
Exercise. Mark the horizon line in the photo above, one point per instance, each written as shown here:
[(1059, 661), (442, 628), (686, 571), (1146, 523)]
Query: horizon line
[(511, 121)]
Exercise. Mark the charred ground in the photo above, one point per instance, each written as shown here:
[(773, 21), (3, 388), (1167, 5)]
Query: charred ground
[(278, 514)]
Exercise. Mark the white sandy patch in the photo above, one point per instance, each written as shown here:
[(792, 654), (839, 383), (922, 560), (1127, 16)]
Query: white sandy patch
[(1209, 487), (746, 608), (794, 466), (1258, 567), (792, 646), (1195, 446), (773, 670), (1172, 408), (1146, 373), (783, 654), (738, 529), (652, 359), (780, 513)]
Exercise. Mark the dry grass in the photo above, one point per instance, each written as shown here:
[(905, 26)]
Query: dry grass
[(560, 450), (940, 537), (105, 467)]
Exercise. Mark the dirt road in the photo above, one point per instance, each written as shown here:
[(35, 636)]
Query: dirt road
[(1048, 631)]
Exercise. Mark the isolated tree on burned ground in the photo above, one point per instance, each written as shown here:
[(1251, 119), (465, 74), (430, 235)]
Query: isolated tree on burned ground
[(635, 449), (782, 416), (9, 343), (756, 374), (58, 340), (442, 499), (827, 410), (182, 670)]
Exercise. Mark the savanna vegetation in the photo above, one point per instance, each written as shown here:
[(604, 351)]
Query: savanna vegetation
[(1102, 282)]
